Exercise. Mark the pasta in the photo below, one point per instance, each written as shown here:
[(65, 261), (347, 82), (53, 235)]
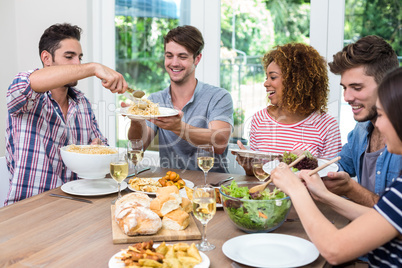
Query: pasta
[(151, 109), (90, 149)]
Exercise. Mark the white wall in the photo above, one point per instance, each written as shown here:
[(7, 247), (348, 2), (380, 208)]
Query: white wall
[(22, 23)]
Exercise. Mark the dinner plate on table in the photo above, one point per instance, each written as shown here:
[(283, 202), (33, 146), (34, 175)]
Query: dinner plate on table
[(182, 191), (270, 250), (268, 167), (114, 262), (92, 187), (163, 112)]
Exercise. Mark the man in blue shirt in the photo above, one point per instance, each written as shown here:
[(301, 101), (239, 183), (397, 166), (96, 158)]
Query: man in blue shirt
[(206, 111), (362, 65)]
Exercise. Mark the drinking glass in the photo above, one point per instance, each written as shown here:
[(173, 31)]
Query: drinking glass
[(135, 152), (205, 158), (257, 164), (119, 170), (204, 209)]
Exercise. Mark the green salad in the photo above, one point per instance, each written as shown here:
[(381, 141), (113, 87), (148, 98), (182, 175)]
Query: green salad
[(255, 215)]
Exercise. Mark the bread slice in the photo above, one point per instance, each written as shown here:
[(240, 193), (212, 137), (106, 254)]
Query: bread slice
[(176, 220), (186, 205), (164, 204)]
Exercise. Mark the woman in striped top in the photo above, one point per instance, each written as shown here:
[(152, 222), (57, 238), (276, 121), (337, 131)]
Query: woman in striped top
[(377, 230), (296, 118)]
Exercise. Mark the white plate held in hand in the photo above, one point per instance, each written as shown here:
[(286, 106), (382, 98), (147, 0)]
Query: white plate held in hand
[(163, 112)]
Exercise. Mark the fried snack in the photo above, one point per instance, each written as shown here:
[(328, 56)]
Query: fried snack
[(192, 251), (172, 178), (144, 184), (179, 255)]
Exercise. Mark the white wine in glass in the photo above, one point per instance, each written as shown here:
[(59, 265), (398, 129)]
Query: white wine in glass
[(119, 170), (204, 209), (135, 152), (205, 158), (258, 164)]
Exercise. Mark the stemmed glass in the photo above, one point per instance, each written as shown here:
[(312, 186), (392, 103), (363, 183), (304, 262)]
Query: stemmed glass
[(135, 152), (119, 170), (204, 209), (258, 164), (205, 158)]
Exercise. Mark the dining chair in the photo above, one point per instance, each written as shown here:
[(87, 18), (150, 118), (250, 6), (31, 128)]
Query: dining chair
[(4, 180)]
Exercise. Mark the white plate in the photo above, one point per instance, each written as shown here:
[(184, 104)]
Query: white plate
[(268, 167), (251, 153), (163, 112), (116, 263), (93, 187), (189, 184), (270, 250)]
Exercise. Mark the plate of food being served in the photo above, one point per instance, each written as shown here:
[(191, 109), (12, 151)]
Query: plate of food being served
[(309, 162), (152, 110)]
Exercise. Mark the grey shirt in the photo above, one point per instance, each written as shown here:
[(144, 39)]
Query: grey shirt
[(209, 103), (369, 169)]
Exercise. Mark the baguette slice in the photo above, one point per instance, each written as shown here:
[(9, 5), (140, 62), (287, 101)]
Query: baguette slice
[(176, 220)]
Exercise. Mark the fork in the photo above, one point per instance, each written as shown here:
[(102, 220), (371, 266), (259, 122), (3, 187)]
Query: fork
[(220, 182)]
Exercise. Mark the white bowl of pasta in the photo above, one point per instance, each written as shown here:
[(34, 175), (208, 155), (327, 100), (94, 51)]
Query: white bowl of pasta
[(88, 161)]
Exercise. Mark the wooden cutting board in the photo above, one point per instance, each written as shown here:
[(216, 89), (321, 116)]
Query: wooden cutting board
[(190, 233)]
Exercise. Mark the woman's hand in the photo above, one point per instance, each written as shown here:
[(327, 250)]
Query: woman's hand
[(315, 185), (285, 179)]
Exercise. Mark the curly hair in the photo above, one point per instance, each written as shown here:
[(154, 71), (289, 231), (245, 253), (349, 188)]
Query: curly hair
[(372, 52), (305, 77)]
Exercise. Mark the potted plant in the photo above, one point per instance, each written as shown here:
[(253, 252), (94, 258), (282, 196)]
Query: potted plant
[(238, 122)]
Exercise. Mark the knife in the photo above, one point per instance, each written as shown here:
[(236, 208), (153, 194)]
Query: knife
[(72, 198), (140, 171)]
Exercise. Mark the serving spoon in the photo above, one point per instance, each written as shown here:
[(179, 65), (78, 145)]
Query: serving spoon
[(256, 191), (135, 96)]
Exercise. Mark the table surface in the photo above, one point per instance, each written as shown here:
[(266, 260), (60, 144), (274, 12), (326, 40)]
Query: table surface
[(44, 231)]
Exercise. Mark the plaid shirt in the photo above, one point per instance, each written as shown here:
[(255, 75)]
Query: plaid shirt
[(36, 130)]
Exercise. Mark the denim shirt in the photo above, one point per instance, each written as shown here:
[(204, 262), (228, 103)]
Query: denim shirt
[(387, 166)]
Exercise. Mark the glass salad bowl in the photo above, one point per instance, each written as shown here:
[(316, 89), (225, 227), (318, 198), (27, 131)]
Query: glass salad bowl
[(251, 215)]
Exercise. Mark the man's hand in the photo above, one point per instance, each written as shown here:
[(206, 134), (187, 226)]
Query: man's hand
[(97, 141), (112, 80), (172, 123), (338, 182)]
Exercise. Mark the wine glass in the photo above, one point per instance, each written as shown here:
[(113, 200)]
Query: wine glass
[(204, 209), (258, 164), (119, 170), (135, 152), (205, 158)]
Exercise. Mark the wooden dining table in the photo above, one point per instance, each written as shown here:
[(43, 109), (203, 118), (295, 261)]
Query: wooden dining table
[(44, 231)]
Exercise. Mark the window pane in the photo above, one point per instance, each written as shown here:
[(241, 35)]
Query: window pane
[(361, 19), (250, 28), (140, 27)]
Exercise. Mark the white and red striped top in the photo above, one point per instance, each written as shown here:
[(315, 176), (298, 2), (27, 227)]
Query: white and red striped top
[(318, 133)]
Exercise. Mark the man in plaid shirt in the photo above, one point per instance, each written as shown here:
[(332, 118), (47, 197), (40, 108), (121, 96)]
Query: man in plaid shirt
[(46, 112)]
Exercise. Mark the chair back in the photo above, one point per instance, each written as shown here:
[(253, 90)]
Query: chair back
[(4, 180)]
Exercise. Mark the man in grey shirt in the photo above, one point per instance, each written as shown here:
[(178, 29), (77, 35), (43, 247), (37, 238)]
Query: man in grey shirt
[(205, 111)]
